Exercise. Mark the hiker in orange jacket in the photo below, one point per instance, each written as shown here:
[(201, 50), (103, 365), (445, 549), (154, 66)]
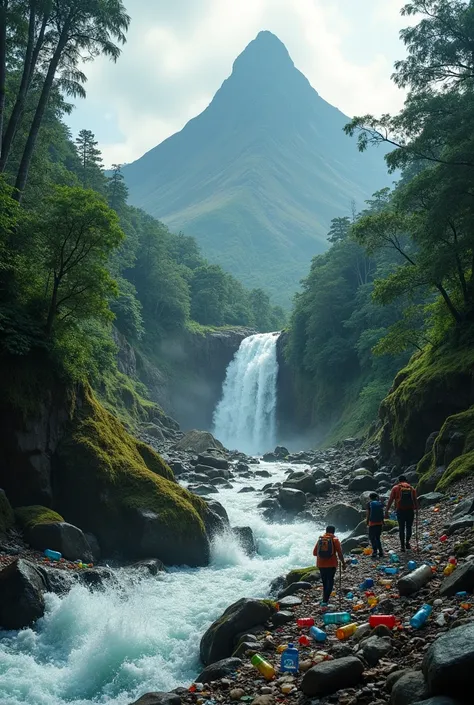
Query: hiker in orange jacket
[(403, 495), (327, 550)]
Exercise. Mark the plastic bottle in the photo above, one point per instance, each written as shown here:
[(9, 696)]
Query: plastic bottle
[(318, 634), (421, 616), (443, 538), (394, 558), (304, 641), (449, 569), (411, 565), (368, 583), (373, 601), (305, 622), (350, 596), (461, 594), (414, 581), (336, 618), (290, 660), (346, 632), (52, 555), (388, 620), (391, 571), (265, 668), (453, 561)]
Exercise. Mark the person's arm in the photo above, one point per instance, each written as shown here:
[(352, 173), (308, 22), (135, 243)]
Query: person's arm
[(391, 500), (315, 549), (340, 553)]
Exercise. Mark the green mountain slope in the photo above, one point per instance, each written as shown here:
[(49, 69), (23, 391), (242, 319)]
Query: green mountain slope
[(257, 177)]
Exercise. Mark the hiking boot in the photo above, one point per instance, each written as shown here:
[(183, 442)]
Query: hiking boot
[(408, 547), (403, 549)]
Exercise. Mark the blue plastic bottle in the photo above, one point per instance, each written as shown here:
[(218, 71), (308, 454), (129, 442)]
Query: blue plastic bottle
[(411, 565), (368, 583), (394, 558), (290, 659), (350, 596), (391, 571), (52, 555), (318, 634), (421, 616), (337, 618)]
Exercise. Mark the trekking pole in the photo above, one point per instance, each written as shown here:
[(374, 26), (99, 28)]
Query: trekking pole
[(416, 530), (340, 587)]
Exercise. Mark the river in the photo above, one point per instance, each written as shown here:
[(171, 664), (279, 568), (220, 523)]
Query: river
[(141, 636)]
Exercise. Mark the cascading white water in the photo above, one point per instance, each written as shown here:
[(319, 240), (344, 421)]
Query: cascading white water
[(245, 418)]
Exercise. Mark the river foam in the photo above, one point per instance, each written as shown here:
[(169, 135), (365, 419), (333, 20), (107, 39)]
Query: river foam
[(143, 635)]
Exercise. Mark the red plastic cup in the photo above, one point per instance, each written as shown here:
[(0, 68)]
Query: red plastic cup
[(304, 622), (443, 538), (304, 641)]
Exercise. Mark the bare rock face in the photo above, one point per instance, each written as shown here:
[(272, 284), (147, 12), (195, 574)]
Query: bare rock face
[(21, 595)]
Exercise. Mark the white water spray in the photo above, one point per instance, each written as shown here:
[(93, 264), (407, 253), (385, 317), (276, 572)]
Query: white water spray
[(245, 418)]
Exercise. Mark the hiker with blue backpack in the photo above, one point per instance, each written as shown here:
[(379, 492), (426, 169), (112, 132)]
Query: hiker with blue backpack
[(327, 551), (375, 515)]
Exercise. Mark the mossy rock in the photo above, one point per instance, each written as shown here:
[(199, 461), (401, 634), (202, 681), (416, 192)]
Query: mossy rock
[(29, 517), (388, 525), (7, 518), (436, 384), (298, 574), (119, 489), (462, 466)]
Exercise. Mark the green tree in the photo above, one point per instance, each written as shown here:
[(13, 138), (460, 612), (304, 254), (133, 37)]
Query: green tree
[(90, 157), (78, 28), (339, 229), (117, 191), (76, 232)]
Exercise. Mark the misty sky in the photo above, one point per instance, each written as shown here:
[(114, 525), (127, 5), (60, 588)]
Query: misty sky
[(180, 51)]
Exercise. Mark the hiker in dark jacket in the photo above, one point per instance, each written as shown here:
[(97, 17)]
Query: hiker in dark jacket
[(403, 495), (327, 551), (375, 512)]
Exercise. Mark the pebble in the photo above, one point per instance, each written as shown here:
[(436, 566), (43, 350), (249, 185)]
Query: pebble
[(236, 693)]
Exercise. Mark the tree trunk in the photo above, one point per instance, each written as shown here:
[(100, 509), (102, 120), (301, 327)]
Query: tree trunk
[(451, 308), (29, 66), (3, 62), (52, 307), (22, 176)]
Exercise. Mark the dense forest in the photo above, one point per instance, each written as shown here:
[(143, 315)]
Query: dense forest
[(399, 276), (75, 258)]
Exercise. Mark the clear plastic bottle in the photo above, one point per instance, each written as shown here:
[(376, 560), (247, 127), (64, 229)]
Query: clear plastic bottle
[(419, 619), (337, 618), (265, 668), (290, 660)]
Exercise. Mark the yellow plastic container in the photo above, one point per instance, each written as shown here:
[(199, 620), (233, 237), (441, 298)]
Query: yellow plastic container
[(449, 569), (372, 601), (265, 668), (346, 631)]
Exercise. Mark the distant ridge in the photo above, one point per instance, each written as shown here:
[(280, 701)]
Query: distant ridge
[(259, 174)]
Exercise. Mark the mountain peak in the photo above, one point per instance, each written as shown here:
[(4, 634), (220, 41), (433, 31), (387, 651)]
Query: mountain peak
[(265, 52)]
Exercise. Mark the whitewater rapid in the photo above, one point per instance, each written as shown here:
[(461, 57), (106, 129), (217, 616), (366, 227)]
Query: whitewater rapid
[(245, 418), (139, 636)]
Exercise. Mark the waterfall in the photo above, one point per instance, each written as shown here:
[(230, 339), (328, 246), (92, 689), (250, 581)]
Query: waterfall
[(245, 418)]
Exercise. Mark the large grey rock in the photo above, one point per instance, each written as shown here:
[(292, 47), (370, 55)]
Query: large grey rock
[(304, 483), (319, 474), (282, 617), (360, 530), (408, 689), (321, 487), (348, 545), (464, 507), (441, 700), (465, 522), (63, 537), (364, 499), (218, 641), (449, 663), (22, 586), (213, 461), (198, 442), (245, 536), (374, 648), (158, 699), (292, 500), (330, 676), (219, 669), (360, 484), (427, 500), (344, 517), (382, 477), (460, 579), (430, 483), (289, 601), (218, 509), (367, 462), (213, 473), (298, 586)]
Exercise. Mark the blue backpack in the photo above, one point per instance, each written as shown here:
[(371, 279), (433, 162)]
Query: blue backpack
[(376, 511)]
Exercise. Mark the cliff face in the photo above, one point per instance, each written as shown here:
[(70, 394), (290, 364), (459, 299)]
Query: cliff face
[(198, 364)]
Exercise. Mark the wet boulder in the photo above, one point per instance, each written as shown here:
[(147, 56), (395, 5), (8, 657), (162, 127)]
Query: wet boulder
[(361, 484), (374, 648), (464, 522), (449, 662), (304, 483), (321, 487), (218, 509), (22, 586), (409, 688), (213, 461), (245, 536), (219, 669), (292, 500), (367, 462), (330, 676), (158, 699), (430, 499), (293, 588), (464, 507), (63, 537), (344, 517), (218, 641)]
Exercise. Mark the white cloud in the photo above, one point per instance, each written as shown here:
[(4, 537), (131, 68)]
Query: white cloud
[(179, 54)]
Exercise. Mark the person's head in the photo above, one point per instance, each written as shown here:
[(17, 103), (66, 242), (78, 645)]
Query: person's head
[(330, 529), (402, 478), (373, 496)]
